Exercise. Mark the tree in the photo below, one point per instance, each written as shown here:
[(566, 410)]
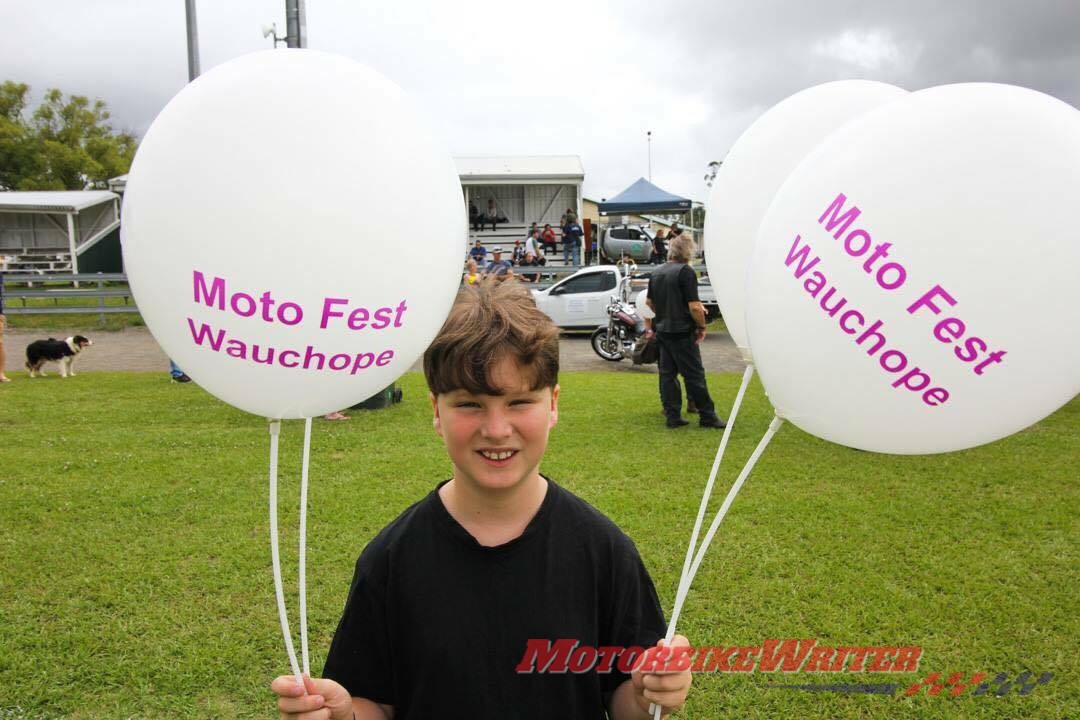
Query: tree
[(697, 216), (63, 145)]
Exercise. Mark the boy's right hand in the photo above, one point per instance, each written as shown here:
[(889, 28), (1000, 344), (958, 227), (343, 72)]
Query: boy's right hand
[(320, 699)]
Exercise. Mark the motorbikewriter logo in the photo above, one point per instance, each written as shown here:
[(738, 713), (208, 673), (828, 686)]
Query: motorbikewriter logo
[(772, 655)]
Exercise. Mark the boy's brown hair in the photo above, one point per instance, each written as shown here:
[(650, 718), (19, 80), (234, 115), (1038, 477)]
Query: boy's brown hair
[(490, 321)]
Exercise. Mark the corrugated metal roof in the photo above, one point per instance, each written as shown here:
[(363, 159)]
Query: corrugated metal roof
[(567, 167), (57, 200)]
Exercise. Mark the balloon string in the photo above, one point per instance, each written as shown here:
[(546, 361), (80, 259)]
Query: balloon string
[(684, 588), (275, 429), (707, 495), (303, 547)]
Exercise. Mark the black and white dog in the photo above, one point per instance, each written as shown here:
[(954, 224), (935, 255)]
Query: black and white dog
[(40, 352)]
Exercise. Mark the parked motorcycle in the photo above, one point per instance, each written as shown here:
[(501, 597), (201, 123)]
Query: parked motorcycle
[(625, 326)]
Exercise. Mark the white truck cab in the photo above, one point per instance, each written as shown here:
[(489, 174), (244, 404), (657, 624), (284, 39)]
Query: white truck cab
[(580, 301)]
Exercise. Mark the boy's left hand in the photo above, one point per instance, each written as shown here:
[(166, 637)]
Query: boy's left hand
[(667, 688)]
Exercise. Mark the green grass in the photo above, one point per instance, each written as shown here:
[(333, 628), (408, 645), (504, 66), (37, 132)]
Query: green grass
[(136, 574)]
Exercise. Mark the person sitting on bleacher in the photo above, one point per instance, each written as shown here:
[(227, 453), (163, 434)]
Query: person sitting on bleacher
[(531, 260), (548, 238), (498, 267), (518, 253), (492, 216), (532, 242), (472, 275), (474, 216), (478, 253)]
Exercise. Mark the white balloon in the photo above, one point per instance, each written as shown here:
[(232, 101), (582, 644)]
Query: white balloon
[(756, 167), (292, 232), (643, 307), (963, 249)]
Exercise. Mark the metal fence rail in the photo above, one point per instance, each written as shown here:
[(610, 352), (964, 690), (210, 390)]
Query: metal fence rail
[(89, 286)]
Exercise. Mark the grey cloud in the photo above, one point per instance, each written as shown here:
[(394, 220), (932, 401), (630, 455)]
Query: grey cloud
[(587, 78)]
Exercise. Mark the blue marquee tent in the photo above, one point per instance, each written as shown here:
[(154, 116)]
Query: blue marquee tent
[(644, 197)]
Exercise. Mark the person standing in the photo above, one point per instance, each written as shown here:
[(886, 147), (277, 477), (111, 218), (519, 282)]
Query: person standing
[(658, 256), (571, 241), (177, 375), (3, 322), (680, 328)]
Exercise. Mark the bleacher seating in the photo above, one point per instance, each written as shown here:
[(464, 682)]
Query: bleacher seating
[(38, 261), (505, 234)]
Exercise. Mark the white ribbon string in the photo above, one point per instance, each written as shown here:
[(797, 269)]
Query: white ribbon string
[(303, 547), (707, 495), (275, 429), (684, 587)]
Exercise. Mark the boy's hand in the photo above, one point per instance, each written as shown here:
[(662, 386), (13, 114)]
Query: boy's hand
[(319, 700), (665, 688)]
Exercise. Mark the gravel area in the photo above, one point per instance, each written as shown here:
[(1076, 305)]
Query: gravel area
[(135, 350)]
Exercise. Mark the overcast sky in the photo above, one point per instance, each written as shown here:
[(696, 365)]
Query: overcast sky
[(581, 77)]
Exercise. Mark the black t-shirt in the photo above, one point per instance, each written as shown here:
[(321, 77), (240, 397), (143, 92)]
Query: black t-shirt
[(672, 287), (436, 624)]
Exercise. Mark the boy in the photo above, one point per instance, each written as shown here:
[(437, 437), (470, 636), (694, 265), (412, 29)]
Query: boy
[(447, 597)]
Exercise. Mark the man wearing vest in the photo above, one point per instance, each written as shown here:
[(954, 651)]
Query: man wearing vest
[(679, 328)]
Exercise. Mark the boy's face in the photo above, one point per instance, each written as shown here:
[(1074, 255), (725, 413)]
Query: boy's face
[(497, 441)]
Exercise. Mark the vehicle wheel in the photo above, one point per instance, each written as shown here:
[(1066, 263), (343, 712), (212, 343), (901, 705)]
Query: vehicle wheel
[(606, 346)]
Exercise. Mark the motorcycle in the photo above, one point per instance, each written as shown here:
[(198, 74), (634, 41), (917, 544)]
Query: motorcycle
[(625, 326)]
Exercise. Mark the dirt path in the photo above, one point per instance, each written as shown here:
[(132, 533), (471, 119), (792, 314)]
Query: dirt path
[(135, 350)]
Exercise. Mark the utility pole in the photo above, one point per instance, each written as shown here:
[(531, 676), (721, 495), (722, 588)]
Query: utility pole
[(648, 135), (295, 24), (192, 41)]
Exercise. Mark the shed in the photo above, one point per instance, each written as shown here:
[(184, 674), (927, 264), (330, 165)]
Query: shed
[(50, 231), (526, 188)]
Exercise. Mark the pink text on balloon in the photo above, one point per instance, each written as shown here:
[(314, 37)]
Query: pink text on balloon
[(309, 359), (951, 329), (289, 313), (359, 317), (244, 305), (851, 321), (858, 241)]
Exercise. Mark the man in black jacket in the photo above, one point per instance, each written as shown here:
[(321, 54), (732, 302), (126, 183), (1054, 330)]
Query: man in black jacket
[(680, 327)]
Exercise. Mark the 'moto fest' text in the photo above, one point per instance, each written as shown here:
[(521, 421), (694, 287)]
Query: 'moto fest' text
[(333, 312), (889, 275)]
